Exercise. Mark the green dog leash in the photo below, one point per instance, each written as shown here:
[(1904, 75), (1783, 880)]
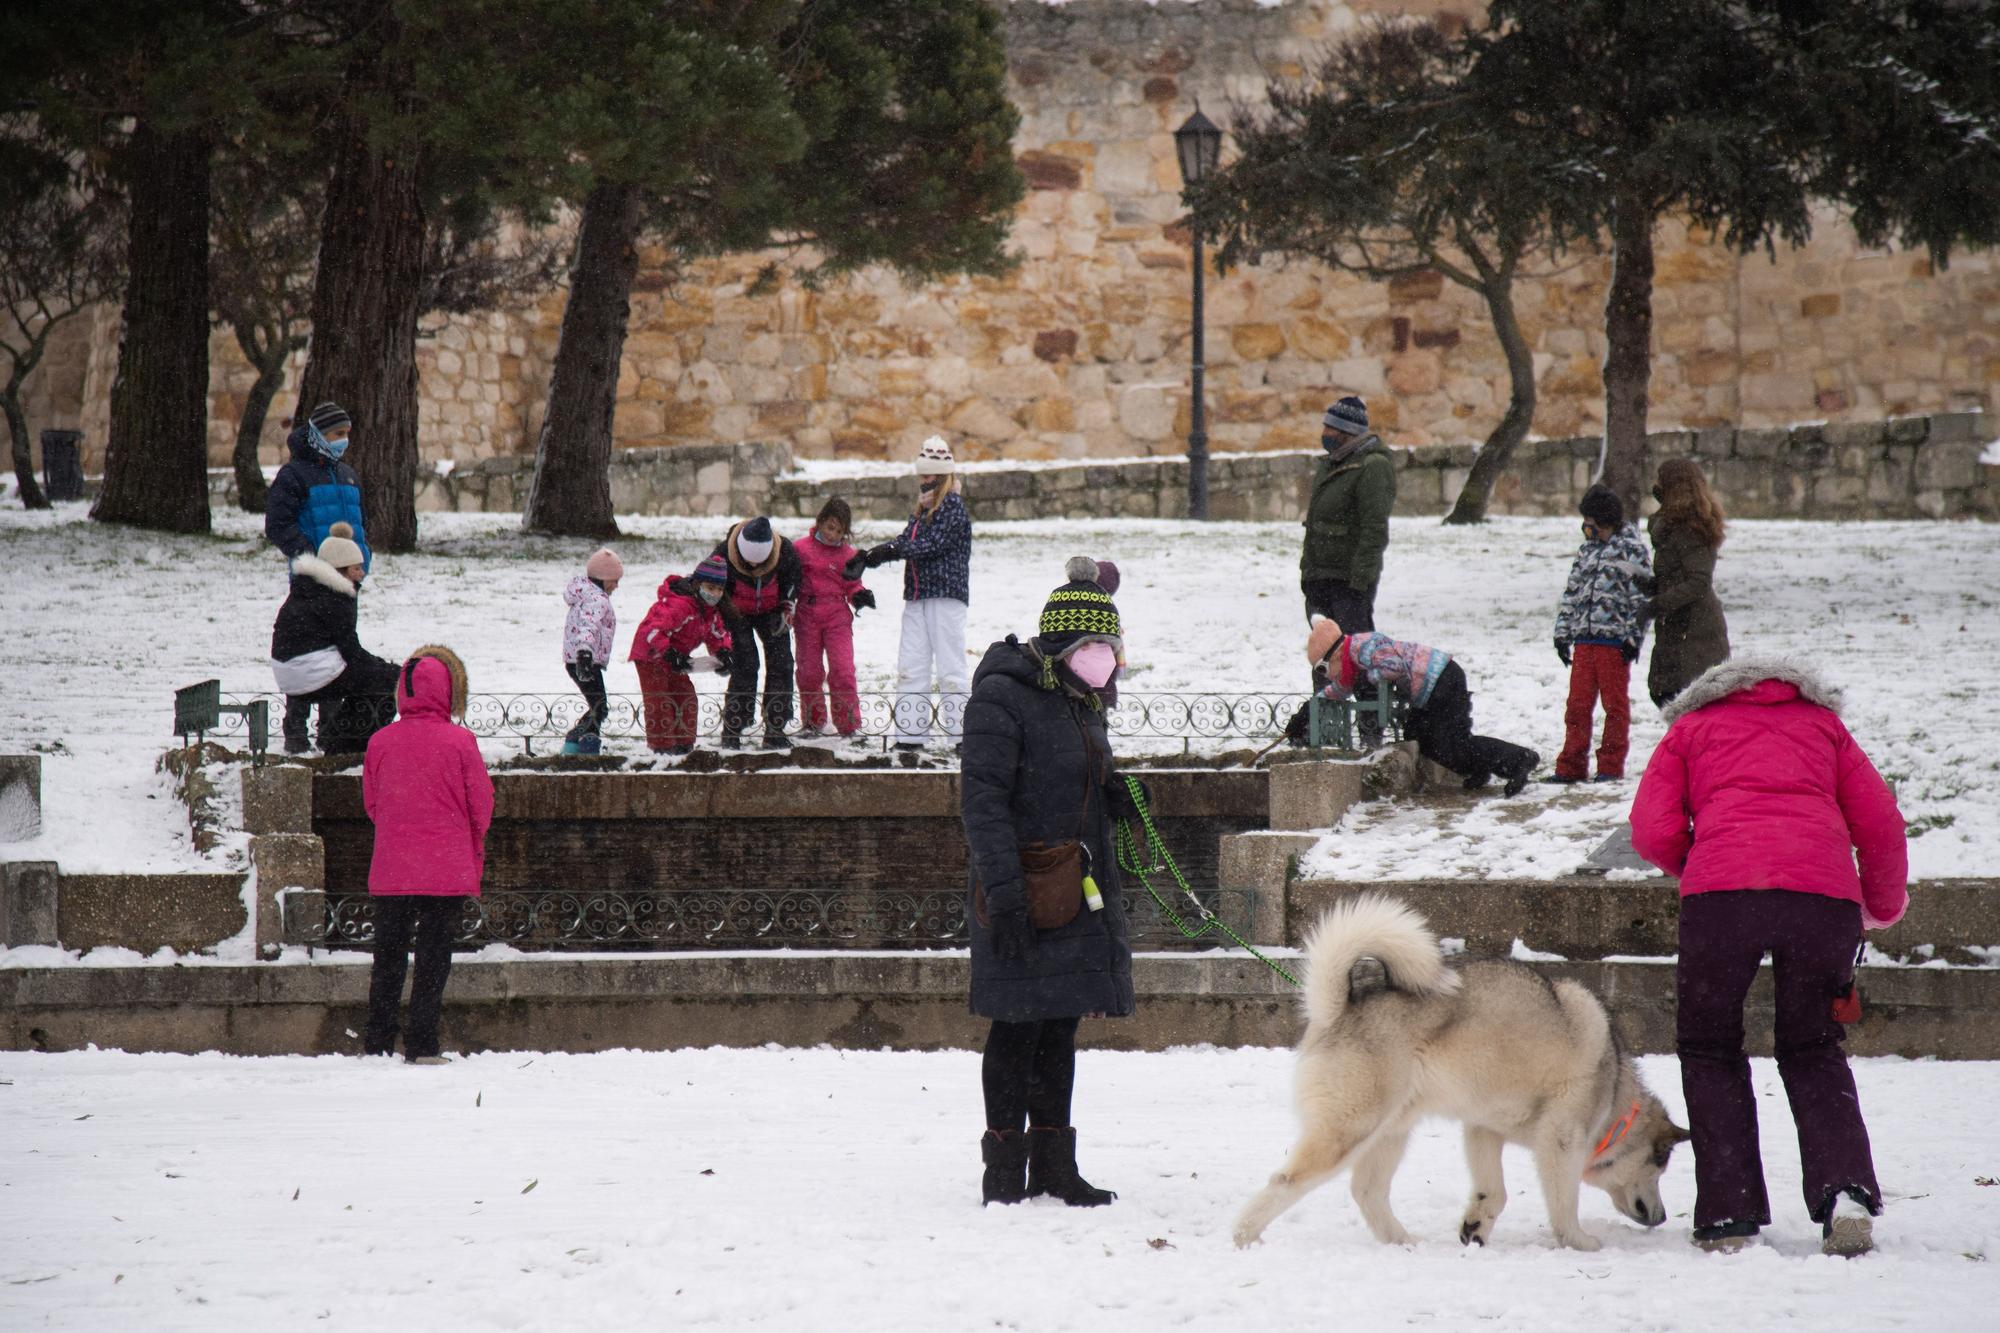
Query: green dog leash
[(1127, 846)]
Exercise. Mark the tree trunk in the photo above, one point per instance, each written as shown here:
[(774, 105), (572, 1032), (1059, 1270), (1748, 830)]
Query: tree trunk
[(1628, 358), (156, 457), (24, 453), (1498, 450), (251, 488), (571, 492), (364, 313)]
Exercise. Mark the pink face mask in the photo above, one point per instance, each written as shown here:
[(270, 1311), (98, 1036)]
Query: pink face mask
[(1093, 664)]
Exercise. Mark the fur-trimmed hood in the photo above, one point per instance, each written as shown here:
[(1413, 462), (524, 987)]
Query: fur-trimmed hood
[(1740, 673), (455, 666), (316, 569)]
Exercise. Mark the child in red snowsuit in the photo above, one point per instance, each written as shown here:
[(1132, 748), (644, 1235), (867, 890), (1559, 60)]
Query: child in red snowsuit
[(682, 619), (828, 600)]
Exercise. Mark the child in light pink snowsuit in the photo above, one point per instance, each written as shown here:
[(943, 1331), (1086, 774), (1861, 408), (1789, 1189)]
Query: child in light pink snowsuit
[(828, 600)]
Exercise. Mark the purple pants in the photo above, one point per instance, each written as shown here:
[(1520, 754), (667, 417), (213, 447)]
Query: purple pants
[(1811, 940)]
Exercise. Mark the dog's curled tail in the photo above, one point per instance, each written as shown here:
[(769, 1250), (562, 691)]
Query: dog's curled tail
[(1370, 925)]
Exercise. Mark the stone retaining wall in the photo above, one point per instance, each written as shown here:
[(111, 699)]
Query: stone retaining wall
[(1902, 468), (854, 1002)]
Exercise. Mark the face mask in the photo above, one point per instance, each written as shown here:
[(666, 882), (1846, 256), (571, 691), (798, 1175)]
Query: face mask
[(331, 448), (709, 593), (825, 540), (1093, 664), (928, 486), (1657, 496)]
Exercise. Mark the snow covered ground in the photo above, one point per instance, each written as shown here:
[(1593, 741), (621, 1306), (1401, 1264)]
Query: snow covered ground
[(822, 1190), (98, 626)]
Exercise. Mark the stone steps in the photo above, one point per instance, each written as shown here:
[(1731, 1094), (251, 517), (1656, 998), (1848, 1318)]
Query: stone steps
[(905, 1001)]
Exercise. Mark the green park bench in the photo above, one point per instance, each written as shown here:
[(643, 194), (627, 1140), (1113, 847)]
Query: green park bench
[(198, 709)]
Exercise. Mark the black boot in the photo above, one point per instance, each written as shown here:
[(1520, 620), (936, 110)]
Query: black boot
[(1052, 1168), (1005, 1152)]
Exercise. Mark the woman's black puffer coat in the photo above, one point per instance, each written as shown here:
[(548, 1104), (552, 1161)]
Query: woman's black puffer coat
[(1035, 769)]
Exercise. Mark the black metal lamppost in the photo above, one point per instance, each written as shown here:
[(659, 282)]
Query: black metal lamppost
[(1198, 144)]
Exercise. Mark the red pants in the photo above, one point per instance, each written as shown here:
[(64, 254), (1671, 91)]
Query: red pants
[(670, 706), (826, 658), (1596, 670)]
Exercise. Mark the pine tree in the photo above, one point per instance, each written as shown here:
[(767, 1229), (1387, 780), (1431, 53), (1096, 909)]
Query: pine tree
[(853, 131), (1391, 161)]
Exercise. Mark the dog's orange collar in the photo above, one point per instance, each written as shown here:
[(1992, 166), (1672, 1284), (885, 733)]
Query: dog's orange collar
[(1619, 1129)]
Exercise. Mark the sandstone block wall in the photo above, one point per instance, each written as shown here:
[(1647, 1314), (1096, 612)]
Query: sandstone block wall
[(1908, 468), (1081, 352)]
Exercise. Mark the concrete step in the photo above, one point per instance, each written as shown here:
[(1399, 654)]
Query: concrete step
[(907, 1001), (1951, 920)]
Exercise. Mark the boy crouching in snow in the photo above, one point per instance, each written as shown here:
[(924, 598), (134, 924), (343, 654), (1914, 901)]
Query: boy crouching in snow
[(1433, 685), (1599, 629), (587, 633), (685, 616)]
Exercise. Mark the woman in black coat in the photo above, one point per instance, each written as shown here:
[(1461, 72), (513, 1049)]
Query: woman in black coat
[(1037, 770)]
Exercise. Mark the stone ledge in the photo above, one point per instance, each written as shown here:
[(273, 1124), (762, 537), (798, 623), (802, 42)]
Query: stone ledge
[(901, 1001)]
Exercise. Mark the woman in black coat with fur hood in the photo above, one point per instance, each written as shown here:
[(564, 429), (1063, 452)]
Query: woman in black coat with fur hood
[(1037, 785)]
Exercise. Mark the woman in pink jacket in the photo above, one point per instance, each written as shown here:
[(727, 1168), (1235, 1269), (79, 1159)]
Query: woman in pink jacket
[(1761, 803), (428, 792)]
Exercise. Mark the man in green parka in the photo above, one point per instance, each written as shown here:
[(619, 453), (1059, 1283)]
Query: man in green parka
[(1347, 519)]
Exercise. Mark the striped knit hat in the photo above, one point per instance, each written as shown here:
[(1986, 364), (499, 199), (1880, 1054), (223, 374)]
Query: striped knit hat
[(329, 417), (712, 570), (1079, 612), (1349, 416)]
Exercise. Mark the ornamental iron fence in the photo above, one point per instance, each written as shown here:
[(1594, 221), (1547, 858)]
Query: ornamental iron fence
[(674, 919), (884, 716)]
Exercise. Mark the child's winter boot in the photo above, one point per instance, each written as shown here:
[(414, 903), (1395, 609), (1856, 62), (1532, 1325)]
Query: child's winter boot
[(572, 747), (1052, 1168), (1005, 1152), (589, 745)]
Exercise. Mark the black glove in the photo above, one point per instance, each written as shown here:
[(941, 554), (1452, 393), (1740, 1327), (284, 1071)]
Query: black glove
[(881, 555), (1118, 798), (1013, 937), (1562, 651), (855, 564), (1629, 651), (1298, 730), (862, 600), (725, 659), (678, 661), (584, 659)]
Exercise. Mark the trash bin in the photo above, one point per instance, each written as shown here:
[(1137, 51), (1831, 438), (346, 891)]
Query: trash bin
[(62, 464)]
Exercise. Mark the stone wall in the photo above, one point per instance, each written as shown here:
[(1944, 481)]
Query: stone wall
[(1081, 352), (1911, 467)]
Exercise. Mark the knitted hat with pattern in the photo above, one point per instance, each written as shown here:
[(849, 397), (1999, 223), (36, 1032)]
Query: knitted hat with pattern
[(1349, 416), (935, 459), (712, 570), (1079, 612)]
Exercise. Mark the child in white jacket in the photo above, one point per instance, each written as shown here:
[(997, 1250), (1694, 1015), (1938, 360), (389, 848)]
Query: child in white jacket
[(587, 634)]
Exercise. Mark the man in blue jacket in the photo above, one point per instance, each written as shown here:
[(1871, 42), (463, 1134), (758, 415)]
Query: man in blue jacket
[(315, 490)]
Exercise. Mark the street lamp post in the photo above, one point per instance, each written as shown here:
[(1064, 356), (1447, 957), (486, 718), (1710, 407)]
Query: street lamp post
[(1198, 144)]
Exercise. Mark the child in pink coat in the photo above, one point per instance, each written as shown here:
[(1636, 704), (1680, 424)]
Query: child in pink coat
[(426, 788), (1785, 841), (828, 600)]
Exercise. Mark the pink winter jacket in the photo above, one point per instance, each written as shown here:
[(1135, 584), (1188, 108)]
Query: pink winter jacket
[(823, 588), (428, 792), (1757, 785)]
